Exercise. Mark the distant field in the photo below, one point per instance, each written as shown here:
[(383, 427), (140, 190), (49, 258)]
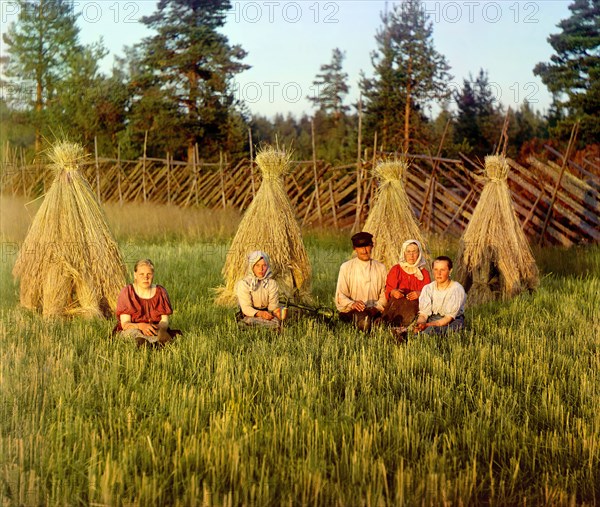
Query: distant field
[(505, 413)]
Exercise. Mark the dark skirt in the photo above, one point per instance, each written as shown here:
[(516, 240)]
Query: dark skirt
[(400, 312)]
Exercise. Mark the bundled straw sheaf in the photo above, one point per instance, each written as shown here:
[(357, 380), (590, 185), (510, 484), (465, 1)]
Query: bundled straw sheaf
[(494, 259), (69, 263), (391, 220), (269, 224)]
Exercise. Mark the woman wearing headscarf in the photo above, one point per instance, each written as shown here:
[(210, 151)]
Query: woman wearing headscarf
[(258, 293), (404, 284)]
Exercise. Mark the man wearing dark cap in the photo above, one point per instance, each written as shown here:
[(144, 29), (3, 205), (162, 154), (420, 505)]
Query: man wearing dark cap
[(360, 292)]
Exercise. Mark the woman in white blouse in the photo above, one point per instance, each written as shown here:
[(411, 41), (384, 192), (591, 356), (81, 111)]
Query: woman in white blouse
[(442, 302), (258, 293)]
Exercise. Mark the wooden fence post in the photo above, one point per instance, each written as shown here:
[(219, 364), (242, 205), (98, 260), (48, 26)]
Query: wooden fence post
[(574, 132), (314, 157), (144, 166), (25, 192), (332, 199), (168, 178), (196, 170), (97, 169), (223, 200), (356, 227), (119, 174)]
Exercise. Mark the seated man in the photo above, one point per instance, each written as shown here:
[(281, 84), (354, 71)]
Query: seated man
[(360, 292)]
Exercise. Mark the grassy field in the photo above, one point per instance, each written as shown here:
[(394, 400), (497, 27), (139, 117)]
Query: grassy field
[(504, 413)]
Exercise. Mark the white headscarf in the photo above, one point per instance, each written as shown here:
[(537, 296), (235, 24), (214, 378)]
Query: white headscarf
[(412, 269), (253, 258)]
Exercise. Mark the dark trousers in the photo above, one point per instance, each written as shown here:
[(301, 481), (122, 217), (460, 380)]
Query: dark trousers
[(361, 320)]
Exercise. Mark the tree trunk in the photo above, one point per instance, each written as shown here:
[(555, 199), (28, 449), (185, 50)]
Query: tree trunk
[(39, 92), (407, 109), (192, 106)]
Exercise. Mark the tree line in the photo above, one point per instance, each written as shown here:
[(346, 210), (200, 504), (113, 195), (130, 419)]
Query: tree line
[(178, 85)]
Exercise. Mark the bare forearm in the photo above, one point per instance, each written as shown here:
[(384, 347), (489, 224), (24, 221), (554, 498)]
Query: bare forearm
[(444, 321)]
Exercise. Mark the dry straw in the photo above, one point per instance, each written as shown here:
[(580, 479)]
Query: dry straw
[(494, 260), (269, 224), (69, 263), (391, 220)]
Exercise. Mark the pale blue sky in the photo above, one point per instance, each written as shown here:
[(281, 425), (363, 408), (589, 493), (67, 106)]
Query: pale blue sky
[(288, 41)]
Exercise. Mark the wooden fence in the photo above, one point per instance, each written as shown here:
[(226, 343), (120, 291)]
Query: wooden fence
[(557, 202)]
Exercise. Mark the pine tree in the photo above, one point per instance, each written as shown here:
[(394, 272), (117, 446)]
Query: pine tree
[(38, 47), (330, 86), (193, 65), (409, 72), (331, 123), (527, 125), (573, 74), (76, 106), (479, 120)]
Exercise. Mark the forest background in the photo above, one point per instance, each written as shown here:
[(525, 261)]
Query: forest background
[(178, 87)]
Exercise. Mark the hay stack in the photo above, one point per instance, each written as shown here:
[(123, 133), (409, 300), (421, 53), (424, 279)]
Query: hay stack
[(69, 263), (391, 220), (494, 258), (269, 224)]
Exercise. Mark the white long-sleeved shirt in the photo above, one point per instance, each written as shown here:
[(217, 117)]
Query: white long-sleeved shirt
[(251, 301), (447, 302), (361, 281)]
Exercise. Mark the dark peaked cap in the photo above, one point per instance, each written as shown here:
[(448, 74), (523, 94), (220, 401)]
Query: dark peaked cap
[(362, 239)]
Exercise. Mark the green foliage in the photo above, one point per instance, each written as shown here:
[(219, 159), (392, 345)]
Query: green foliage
[(79, 114), (38, 48), (335, 137), (56, 84), (479, 120), (189, 65), (15, 128), (525, 126), (313, 416), (573, 73), (408, 73), (330, 86)]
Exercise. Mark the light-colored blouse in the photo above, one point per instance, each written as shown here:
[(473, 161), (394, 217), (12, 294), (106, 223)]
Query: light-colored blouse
[(266, 295), (447, 302)]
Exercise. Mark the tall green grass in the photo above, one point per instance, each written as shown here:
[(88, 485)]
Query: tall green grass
[(504, 413)]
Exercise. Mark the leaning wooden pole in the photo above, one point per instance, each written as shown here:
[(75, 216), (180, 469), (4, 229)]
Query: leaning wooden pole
[(574, 132), (503, 141), (433, 171), (358, 168), (251, 161), (373, 164)]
